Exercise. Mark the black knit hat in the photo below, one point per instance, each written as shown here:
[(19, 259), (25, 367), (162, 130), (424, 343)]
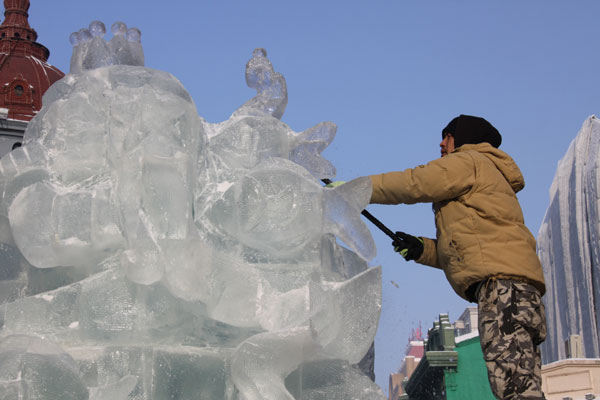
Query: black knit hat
[(467, 129)]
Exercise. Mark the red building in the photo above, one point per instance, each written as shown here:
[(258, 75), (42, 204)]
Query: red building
[(25, 74), (414, 352)]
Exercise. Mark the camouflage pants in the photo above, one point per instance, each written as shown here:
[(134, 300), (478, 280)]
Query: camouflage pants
[(512, 324)]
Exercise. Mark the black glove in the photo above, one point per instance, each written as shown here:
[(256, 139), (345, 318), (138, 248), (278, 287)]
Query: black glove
[(409, 247)]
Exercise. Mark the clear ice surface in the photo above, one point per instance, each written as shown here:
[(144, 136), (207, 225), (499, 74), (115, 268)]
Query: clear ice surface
[(148, 254), (569, 247)]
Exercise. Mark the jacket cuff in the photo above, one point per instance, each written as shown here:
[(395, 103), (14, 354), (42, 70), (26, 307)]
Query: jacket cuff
[(429, 256)]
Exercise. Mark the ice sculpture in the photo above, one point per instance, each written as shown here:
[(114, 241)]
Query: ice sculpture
[(569, 247), (90, 50), (149, 254)]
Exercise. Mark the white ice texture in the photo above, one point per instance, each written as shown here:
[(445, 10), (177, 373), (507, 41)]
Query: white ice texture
[(569, 247), (148, 254)]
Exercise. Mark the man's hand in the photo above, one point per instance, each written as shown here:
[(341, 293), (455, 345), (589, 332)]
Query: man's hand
[(409, 247)]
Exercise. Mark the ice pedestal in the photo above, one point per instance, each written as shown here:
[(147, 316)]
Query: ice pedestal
[(180, 258)]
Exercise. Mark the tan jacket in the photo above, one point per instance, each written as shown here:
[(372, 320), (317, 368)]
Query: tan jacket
[(480, 227)]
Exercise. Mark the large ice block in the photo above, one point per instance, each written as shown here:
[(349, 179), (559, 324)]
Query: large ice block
[(150, 254), (33, 368)]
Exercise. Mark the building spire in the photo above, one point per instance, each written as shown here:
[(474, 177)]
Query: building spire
[(24, 73), (16, 23)]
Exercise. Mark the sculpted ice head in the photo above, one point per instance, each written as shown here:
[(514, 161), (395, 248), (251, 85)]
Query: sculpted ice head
[(97, 29), (91, 51), (118, 28)]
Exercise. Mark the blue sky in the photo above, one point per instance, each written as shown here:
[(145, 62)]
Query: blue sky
[(390, 74)]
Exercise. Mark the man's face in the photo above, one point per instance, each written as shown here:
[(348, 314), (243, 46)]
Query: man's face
[(447, 145)]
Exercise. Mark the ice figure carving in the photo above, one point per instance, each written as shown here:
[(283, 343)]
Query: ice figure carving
[(153, 255), (569, 247), (250, 136), (91, 51), (270, 86)]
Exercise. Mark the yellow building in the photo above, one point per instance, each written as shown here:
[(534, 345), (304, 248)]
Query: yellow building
[(573, 378)]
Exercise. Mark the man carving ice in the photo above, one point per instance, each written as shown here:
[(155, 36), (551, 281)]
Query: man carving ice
[(483, 246)]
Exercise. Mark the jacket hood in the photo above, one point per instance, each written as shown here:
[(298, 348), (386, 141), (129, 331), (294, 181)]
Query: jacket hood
[(503, 162)]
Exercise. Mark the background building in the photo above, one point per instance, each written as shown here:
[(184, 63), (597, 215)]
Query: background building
[(574, 377), (414, 353), (450, 363), (452, 367), (569, 248), (25, 74)]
